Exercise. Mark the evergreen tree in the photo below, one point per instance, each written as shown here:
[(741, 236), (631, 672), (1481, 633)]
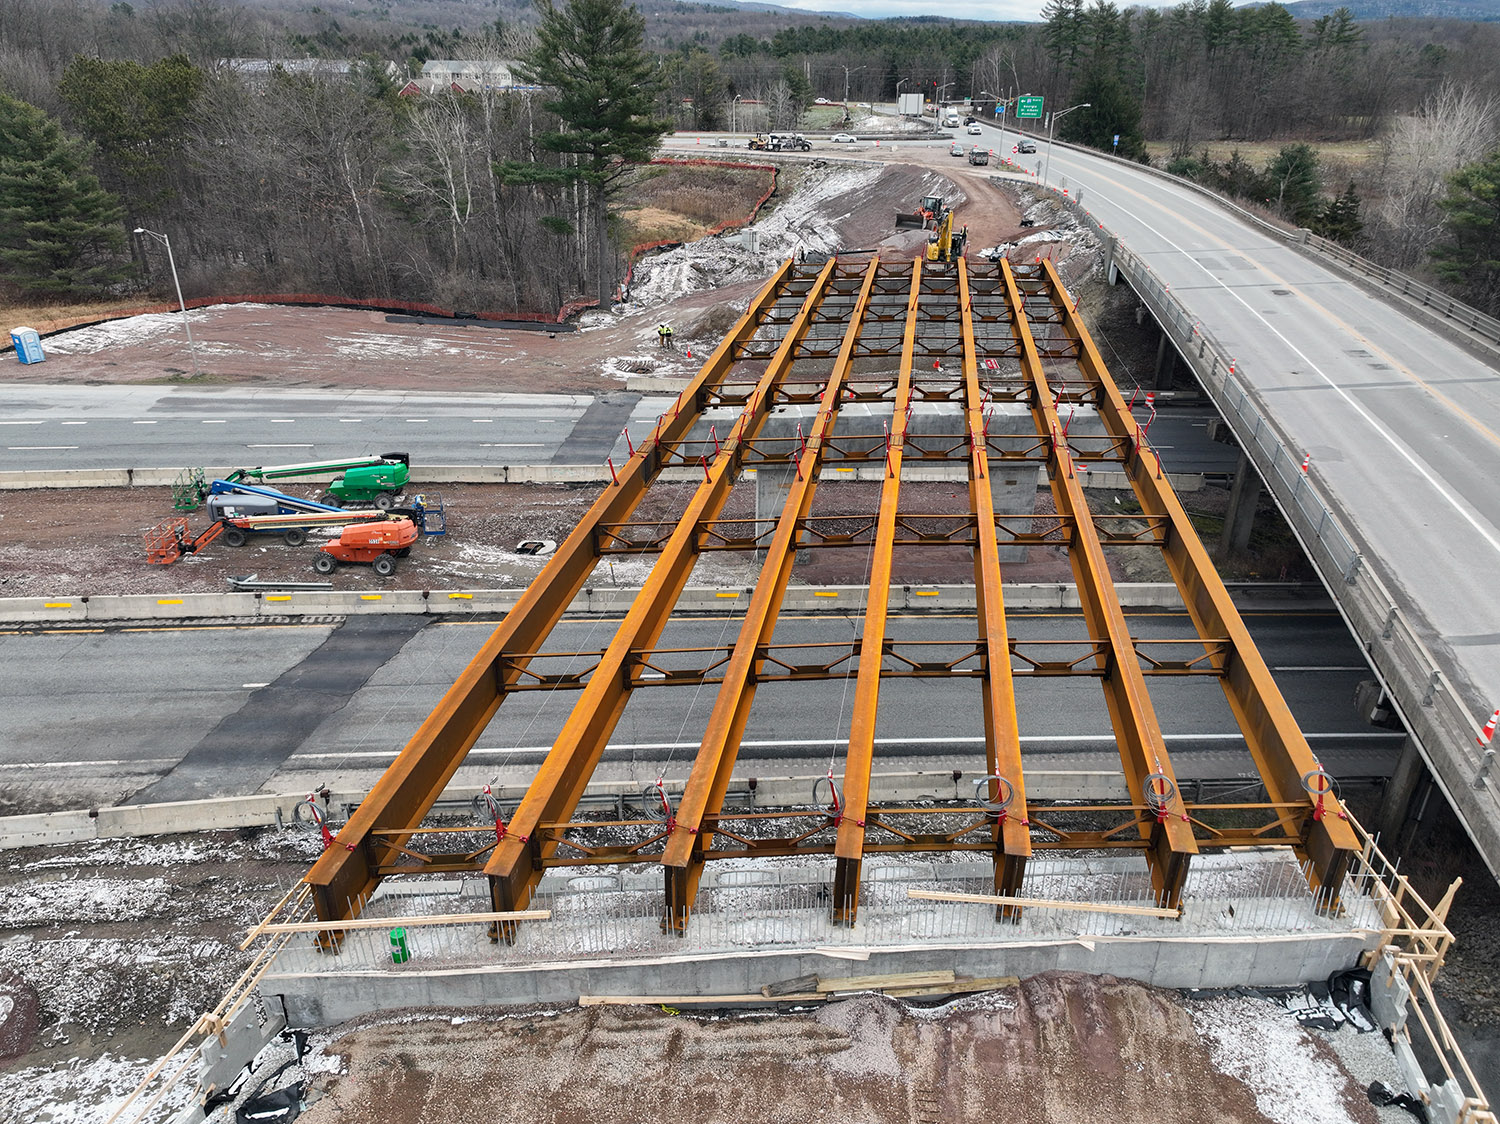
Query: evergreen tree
[(590, 56), (1109, 112), (1339, 219), (1292, 183), (60, 232), (138, 118), (1468, 257)]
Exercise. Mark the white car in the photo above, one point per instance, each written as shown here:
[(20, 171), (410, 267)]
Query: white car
[(864, 105), (842, 138), (820, 101), (975, 130)]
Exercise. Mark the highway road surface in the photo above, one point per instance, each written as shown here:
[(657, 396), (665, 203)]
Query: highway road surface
[(113, 427), (183, 711)]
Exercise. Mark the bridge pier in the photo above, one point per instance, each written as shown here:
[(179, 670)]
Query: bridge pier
[(1239, 519), (1166, 363), (1406, 797)]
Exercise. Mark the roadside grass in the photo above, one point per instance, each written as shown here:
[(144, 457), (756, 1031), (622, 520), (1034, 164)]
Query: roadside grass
[(41, 314), (1257, 153), (679, 203)]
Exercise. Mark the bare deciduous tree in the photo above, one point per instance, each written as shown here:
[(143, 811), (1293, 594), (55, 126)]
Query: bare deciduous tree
[(1455, 126)]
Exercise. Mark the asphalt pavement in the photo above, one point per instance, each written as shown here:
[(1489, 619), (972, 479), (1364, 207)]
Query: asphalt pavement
[(175, 711)]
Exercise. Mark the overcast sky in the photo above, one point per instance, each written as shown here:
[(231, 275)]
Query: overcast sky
[(1008, 10)]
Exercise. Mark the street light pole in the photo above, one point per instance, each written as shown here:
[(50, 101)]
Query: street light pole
[(1051, 128), (847, 72), (186, 323)]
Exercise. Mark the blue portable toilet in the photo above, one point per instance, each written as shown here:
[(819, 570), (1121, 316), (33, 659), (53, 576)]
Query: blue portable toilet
[(28, 345)]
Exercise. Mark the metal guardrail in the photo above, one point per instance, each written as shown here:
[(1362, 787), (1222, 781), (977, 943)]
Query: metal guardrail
[(1438, 717), (1487, 328)]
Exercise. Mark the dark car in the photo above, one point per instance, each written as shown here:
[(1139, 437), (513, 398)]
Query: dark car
[(1026, 146)]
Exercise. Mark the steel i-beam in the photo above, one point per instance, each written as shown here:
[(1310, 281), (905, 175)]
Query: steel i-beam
[(345, 875), (1143, 752), (516, 864), (1002, 735), (1282, 756), (703, 796), (849, 847)]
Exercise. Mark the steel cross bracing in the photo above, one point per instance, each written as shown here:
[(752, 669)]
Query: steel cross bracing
[(916, 341)]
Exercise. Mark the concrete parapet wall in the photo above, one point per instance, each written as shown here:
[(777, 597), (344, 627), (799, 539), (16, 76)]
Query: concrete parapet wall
[(131, 821), (327, 998), (592, 599)]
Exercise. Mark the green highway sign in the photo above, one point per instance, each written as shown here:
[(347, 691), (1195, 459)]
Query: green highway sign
[(1028, 107)]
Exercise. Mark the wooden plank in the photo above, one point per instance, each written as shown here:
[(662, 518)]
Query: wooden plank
[(877, 983), (958, 987), (1042, 903), (407, 922), (788, 987)]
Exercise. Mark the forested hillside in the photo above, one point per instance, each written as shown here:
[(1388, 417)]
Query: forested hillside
[(123, 116)]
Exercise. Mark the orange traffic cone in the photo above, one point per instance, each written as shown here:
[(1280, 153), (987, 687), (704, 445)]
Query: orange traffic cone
[(1489, 729)]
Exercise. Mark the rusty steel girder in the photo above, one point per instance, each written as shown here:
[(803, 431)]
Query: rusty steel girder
[(345, 876), (515, 866), (830, 337), (688, 838), (1282, 756), (1143, 751)]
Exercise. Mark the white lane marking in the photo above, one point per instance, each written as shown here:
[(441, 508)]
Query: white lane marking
[(143, 423), (481, 421), (493, 445), (37, 448), (1320, 667), (307, 446), (283, 421), (215, 421), (75, 423), (245, 685), (87, 764), (352, 421), (1389, 437), (416, 419)]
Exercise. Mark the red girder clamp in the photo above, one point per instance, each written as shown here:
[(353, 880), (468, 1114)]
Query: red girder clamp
[(1319, 784), (309, 811), (835, 801), (1159, 792), (486, 807)]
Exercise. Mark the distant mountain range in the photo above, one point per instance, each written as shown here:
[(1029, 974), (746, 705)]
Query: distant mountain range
[(1476, 11)]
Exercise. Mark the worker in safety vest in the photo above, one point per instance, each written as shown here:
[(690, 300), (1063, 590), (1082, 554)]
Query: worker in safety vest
[(664, 334)]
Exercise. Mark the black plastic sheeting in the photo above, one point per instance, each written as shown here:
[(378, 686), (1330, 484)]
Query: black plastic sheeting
[(281, 1107)]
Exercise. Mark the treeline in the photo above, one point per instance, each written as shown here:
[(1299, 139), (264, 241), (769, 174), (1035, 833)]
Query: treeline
[(320, 183)]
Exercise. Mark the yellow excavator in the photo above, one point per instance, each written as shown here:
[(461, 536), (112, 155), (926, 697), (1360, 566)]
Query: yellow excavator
[(943, 244), (925, 217)]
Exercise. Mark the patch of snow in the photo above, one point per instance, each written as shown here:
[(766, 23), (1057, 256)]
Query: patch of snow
[(1261, 1044), (33, 904), (83, 1091)]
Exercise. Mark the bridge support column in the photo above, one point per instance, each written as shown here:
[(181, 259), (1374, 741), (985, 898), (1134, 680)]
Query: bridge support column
[(1400, 792), (1111, 270), (1239, 519), (1166, 363)]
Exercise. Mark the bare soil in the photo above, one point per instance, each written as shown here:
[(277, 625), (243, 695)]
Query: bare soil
[(1062, 1047), (89, 542)]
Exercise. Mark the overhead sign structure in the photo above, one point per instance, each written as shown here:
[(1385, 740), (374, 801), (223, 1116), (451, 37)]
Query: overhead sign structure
[(1029, 107)]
